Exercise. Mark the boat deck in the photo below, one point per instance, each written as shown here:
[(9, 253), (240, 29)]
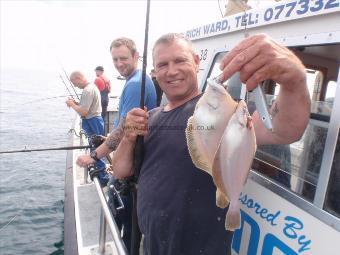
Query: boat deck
[(82, 193)]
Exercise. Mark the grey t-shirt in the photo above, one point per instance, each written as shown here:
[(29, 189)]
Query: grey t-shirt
[(90, 100)]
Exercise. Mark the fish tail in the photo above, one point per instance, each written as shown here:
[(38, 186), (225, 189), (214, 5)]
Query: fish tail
[(233, 218)]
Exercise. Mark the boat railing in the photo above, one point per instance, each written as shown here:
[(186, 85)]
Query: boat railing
[(106, 218), (82, 138)]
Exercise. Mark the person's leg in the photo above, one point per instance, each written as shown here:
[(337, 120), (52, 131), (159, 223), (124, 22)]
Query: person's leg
[(96, 126), (126, 218), (104, 110)]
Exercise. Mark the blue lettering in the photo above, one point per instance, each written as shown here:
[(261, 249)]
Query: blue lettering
[(291, 8), (238, 19), (262, 212), (250, 21), (212, 28), (254, 235), (250, 203), (304, 4), (291, 226), (206, 29), (193, 33), (271, 217), (304, 243), (257, 208), (270, 242), (243, 198), (268, 15), (218, 26), (290, 230), (332, 4), (224, 24), (318, 6)]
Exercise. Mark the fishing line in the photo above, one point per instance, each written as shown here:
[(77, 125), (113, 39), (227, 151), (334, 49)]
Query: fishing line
[(44, 99), (219, 6), (68, 78), (66, 85), (10, 221)]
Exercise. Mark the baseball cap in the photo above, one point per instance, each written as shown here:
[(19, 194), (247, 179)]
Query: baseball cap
[(99, 68)]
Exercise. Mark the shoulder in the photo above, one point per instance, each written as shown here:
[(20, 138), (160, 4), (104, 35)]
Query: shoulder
[(98, 80), (92, 88), (155, 112)]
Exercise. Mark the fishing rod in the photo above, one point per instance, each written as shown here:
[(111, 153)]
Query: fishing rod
[(44, 99), (70, 82), (47, 149), (139, 150), (62, 79)]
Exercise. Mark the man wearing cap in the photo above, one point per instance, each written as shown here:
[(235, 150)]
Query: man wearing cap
[(104, 86)]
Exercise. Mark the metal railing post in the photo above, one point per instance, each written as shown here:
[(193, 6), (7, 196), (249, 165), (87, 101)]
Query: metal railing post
[(120, 246), (102, 233)]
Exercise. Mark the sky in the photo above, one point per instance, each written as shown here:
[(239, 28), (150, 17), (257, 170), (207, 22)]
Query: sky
[(76, 35)]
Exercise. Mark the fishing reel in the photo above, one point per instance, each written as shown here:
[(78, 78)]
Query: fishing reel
[(93, 171), (96, 140)]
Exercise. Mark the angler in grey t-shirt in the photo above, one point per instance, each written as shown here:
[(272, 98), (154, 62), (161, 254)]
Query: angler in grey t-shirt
[(90, 100), (89, 108)]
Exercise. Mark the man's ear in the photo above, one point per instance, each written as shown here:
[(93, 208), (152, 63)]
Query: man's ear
[(136, 56)]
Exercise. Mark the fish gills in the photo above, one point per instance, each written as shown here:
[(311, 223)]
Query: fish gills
[(233, 161), (206, 126)]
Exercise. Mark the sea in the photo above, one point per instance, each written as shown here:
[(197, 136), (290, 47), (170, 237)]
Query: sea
[(33, 114)]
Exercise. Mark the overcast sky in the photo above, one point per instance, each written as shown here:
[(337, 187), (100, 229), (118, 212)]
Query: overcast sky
[(77, 34)]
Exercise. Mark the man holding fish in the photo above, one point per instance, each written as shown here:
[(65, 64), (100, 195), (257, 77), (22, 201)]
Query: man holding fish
[(177, 210)]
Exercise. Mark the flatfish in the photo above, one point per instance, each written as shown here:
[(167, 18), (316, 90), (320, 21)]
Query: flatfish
[(207, 124), (233, 161)]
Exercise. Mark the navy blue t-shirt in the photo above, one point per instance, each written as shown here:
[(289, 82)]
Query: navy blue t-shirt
[(177, 210)]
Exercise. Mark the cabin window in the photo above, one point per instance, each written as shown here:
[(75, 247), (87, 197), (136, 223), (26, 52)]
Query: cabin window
[(332, 203), (297, 166)]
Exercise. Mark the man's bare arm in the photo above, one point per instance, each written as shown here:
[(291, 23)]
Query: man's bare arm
[(122, 161), (116, 136)]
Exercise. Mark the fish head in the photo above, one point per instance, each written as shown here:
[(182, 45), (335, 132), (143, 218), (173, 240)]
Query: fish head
[(215, 87), (215, 93)]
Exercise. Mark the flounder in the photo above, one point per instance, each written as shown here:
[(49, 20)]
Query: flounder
[(233, 161), (206, 126)]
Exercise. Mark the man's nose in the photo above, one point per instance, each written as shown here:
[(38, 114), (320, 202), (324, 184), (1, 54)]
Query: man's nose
[(118, 63), (172, 69)]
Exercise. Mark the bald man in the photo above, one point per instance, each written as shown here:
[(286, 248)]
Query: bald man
[(89, 108)]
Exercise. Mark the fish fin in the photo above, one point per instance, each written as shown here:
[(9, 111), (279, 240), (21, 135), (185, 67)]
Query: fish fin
[(217, 174), (233, 218), (221, 200), (196, 157)]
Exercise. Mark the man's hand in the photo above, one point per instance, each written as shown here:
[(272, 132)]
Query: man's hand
[(136, 123), (70, 102), (85, 160), (259, 58)]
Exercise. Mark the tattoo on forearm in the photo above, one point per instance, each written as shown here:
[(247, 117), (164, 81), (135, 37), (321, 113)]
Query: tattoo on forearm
[(115, 136), (274, 110)]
